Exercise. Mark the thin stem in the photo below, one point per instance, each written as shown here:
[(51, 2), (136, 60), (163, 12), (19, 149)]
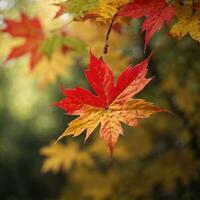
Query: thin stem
[(105, 50)]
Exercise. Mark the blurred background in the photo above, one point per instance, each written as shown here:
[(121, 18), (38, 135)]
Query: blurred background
[(158, 160)]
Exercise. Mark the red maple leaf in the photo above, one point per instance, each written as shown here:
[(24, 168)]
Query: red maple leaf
[(112, 103), (157, 12), (29, 29)]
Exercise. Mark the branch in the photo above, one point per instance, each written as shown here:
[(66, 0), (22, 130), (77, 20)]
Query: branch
[(105, 49)]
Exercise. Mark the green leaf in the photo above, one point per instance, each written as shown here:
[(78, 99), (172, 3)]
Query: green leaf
[(78, 7), (57, 42), (75, 44), (51, 44)]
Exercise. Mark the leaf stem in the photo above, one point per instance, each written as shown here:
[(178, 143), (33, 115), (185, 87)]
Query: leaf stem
[(105, 49)]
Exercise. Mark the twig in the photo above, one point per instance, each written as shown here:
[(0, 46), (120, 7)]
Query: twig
[(105, 49)]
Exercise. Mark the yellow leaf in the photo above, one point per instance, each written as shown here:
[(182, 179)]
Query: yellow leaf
[(188, 22), (48, 71), (63, 157), (106, 9)]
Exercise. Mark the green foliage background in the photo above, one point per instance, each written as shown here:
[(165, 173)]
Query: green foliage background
[(161, 159)]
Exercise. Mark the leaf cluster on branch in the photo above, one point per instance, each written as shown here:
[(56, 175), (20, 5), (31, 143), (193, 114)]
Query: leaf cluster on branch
[(112, 103)]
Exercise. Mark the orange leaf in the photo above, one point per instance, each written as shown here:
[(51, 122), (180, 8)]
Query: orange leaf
[(111, 104), (29, 29)]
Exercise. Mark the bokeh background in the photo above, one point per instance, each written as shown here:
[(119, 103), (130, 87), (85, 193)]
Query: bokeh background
[(158, 160)]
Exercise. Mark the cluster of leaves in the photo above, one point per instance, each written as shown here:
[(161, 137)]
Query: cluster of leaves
[(155, 148), (101, 11), (156, 13), (88, 106), (39, 44), (112, 103), (159, 157)]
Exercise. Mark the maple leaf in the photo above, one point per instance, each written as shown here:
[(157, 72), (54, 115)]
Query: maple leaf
[(49, 70), (157, 12), (107, 9), (63, 157), (188, 21), (41, 47), (112, 103), (29, 29)]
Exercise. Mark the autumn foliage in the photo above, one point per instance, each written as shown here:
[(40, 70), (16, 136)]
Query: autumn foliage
[(112, 105), (29, 29), (87, 48), (156, 13)]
